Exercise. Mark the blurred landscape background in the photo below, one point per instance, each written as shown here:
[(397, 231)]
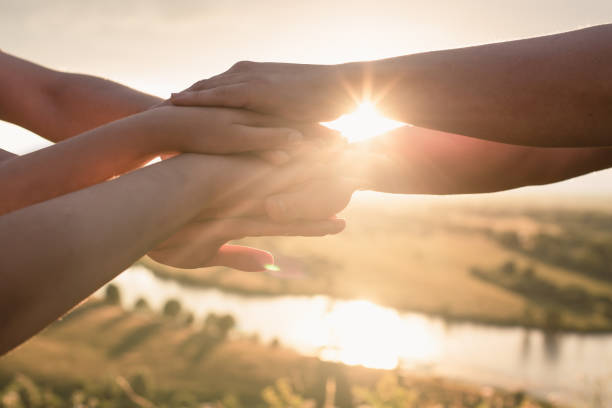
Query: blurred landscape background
[(500, 300)]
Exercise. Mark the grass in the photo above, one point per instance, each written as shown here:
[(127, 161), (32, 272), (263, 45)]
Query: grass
[(418, 257), (85, 355)]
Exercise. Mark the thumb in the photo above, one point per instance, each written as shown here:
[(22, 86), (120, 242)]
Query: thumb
[(250, 138)]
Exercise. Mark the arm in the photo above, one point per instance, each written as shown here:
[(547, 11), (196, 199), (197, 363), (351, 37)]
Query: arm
[(126, 144), (83, 239), (410, 160), (4, 155), (422, 161), (57, 105), (547, 91)]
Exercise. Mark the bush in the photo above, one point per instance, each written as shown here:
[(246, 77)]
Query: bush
[(509, 268), (112, 295), (141, 384), (553, 320), (142, 304), (189, 319), (219, 326), (172, 308)]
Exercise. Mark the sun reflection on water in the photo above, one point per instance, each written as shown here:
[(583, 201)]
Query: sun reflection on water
[(363, 123), (363, 333), (356, 332)]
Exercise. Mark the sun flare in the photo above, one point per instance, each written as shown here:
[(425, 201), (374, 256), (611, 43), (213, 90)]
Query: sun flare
[(365, 122), (360, 332)]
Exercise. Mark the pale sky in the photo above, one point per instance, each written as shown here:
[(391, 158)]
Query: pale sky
[(163, 46)]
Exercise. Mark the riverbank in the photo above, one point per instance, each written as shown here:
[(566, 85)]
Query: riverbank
[(423, 258), (100, 352)]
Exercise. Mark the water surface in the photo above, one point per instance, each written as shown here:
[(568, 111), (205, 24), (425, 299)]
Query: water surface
[(568, 367)]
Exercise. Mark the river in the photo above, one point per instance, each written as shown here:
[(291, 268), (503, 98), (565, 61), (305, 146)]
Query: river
[(563, 367)]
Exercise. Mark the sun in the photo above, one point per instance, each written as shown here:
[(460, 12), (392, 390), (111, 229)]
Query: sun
[(363, 123)]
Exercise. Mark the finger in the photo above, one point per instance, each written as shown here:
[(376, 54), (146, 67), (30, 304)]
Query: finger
[(217, 81), (245, 207), (275, 157), (246, 195), (242, 258), (233, 96), (249, 138), (236, 228), (196, 245), (315, 200), (215, 232), (264, 227)]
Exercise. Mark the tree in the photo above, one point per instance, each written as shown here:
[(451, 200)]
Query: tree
[(112, 295), (172, 308)]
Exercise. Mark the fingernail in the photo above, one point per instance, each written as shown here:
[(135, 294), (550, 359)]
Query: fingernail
[(294, 137), (177, 95)]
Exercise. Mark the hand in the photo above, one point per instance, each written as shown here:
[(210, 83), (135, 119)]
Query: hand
[(298, 92), (229, 131), (355, 168), (203, 243), (301, 190), (238, 187)]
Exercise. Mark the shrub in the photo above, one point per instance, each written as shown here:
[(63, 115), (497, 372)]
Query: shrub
[(142, 304), (172, 308), (112, 295), (508, 268)]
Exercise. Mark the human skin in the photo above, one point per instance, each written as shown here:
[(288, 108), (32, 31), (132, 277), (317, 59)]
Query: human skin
[(63, 235), (545, 91), (74, 110), (411, 160), (104, 129), (123, 145), (56, 253)]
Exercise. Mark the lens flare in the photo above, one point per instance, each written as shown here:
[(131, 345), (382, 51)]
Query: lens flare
[(272, 268), (365, 122)]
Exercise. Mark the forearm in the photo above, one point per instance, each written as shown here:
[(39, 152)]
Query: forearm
[(421, 161), (546, 91), (57, 105), (81, 161), (82, 240)]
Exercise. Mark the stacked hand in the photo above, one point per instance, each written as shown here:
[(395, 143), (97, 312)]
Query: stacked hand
[(244, 191), (299, 92), (261, 163)]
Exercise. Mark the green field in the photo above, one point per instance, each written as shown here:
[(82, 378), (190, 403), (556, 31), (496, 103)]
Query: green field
[(103, 356), (421, 256)]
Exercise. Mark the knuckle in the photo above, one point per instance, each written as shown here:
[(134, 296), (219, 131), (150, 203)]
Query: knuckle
[(242, 65), (198, 84)]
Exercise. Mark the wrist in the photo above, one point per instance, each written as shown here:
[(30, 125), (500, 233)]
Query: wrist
[(152, 134), (374, 80)]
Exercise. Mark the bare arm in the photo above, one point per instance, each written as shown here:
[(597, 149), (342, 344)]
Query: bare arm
[(422, 161), (546, 91), (126, 144), (56, 253), (411, 160), (57, 105)]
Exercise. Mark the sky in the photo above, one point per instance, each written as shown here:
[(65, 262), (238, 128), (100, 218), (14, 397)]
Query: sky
[(163, 46)]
